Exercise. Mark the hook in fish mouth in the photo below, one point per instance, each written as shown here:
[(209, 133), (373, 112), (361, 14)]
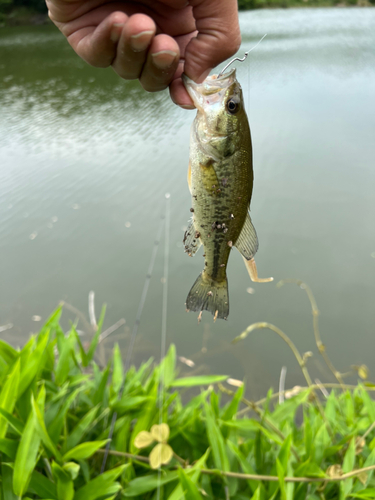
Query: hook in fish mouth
[(213, 84), (211, 80)]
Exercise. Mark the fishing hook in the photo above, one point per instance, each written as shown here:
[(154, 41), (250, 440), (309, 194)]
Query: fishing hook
[(239, 59)]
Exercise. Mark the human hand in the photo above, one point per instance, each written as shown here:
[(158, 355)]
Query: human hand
[(151, 40)]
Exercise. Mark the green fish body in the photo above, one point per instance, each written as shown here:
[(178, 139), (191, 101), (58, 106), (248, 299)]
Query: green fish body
[(221, 182)]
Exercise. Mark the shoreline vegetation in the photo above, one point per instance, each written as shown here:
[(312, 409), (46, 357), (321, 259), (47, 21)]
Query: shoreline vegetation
[(34, 12), (65, 402)]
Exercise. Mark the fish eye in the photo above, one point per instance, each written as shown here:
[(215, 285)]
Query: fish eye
[(232, 106)]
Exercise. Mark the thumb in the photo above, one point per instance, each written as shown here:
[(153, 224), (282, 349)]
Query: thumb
[(218, 36)]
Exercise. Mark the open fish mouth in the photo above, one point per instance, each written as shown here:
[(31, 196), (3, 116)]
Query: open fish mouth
[(212, 85)]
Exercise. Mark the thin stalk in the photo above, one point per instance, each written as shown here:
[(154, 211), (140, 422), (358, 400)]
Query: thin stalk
[(255, 477), (286, 339), (300, 361), (315, 313), (329, 385)]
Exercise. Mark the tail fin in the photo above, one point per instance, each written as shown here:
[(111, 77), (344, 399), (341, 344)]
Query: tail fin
[(209, 295)]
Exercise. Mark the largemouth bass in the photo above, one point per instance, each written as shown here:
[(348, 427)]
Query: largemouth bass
[(220, 178)]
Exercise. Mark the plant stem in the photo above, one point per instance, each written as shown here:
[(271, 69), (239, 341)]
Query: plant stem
[(256, 477), (315, 314)]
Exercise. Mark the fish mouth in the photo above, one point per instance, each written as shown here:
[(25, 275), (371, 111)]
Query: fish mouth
[(210, 86)]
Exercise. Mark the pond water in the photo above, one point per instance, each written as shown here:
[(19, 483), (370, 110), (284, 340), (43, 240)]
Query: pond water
[(86, 160)]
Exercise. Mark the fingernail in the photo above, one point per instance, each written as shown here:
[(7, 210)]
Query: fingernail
[(164, 59), (141, 41), (186, 106), (116, 31)]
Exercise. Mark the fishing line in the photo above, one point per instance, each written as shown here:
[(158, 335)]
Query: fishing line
[(164, 318), (134, 333), (239, 59)]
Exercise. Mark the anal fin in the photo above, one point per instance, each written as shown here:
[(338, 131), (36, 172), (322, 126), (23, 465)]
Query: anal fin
[(247, 242), (191, 239)]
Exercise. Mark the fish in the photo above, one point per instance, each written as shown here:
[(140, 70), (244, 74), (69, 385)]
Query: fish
[(220, 179)]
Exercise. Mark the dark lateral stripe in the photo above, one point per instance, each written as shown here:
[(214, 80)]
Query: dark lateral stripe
[(216, 258)]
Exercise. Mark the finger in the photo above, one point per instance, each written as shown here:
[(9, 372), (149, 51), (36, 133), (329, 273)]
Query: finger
[(161, 63), (98, 45), (135, 39), (218, 36), (179, 94)]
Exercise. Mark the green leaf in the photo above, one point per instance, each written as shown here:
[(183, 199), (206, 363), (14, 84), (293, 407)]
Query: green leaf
[(42, 486), (232, 408), (369, 405), (245, 465), (9, 447), (41, 429), (131, 403), (66, 351), (281, 475), (284, 453), (118, 370), (104, 484), (370, 460), (288, 408), (57, 423), (309, 469), (245, 425), (12, 421), (27, 451), (216, 440), (84, 450), (194, 473), (8, 353), (200, 380), (321, 443), (146, 416), (34, 363), (65, 487), (95, 340), (72, 469), (7, 482), (84, 358), (367, 494), (259, 493), (81, 428), (308, 437), (191, 492), (142, 485), (8, 396), (168, 366), (347, 466)]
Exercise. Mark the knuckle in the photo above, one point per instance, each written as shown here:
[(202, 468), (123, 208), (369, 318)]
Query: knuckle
[(231, 46)]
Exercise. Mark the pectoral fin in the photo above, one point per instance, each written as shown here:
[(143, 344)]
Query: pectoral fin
[(191, 239), (247, 242)]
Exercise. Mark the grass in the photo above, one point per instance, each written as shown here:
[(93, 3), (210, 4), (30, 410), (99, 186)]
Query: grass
[(57, 405)]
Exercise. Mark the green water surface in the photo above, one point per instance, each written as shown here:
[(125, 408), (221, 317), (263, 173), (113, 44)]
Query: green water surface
[(86, 159)]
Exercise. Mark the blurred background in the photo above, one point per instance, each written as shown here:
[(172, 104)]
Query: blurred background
[(86, 160)]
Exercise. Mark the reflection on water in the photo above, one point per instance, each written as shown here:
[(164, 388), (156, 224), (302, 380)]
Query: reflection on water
[(85, 160)]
